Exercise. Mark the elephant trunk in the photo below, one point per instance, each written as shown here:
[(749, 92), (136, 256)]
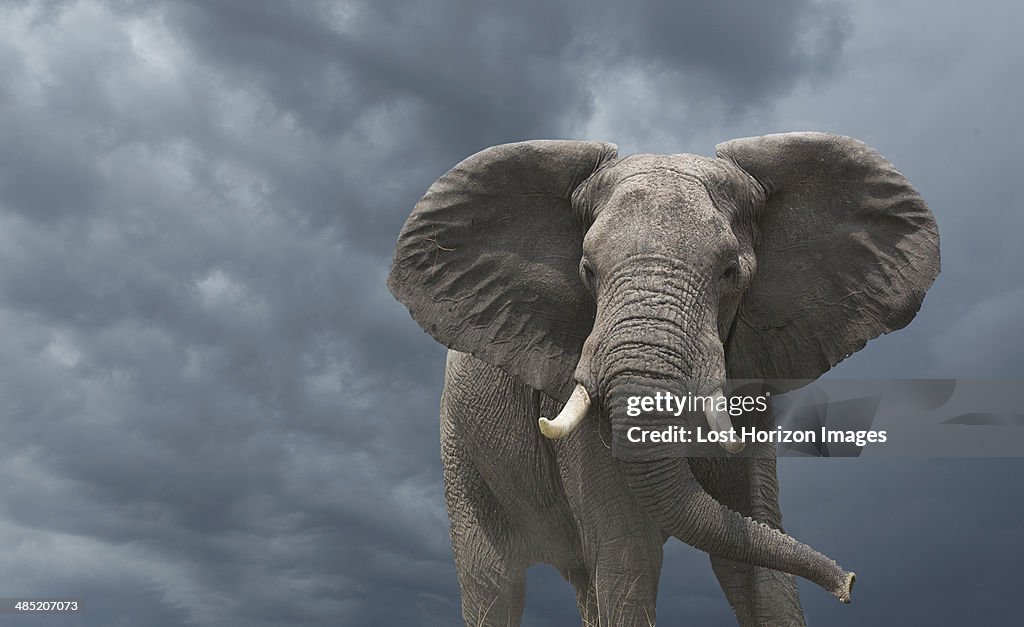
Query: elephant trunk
[(675, 501)]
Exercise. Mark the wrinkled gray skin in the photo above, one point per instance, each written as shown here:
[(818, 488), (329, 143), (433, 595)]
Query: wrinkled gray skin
[(548, 264)]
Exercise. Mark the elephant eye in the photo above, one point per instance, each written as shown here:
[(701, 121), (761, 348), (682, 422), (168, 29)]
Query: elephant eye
[(731, 271), (587, 274)]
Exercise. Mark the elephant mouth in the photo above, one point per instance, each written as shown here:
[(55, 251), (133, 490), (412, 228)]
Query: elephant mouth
[(579, 403)]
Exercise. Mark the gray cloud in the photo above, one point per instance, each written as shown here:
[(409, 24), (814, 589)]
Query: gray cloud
[(213, 411)]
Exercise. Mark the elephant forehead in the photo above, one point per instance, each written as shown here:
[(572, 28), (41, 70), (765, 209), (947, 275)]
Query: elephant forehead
[(649, 213), (652, 180), (679, 167), (653, 184)]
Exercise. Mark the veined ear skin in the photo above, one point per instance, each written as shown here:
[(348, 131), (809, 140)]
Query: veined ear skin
[(488, 261), (847, 250)]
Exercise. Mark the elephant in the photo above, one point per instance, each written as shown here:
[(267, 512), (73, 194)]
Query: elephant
[(563, 278)]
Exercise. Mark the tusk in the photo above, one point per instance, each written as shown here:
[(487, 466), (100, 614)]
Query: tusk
[(570, 417), (720, 421)]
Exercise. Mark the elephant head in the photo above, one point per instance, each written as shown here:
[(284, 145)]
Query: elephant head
[(590, 276)]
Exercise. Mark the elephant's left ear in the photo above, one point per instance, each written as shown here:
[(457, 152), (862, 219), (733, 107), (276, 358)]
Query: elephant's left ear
[(846, 251)]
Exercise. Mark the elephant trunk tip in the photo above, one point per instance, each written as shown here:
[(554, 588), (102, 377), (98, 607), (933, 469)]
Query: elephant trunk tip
[(845, 588)]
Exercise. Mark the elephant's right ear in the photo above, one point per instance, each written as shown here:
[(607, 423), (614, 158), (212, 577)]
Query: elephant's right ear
[(488, 261)]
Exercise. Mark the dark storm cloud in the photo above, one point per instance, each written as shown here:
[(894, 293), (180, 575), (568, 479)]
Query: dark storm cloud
[(213, 411), (745, 51)]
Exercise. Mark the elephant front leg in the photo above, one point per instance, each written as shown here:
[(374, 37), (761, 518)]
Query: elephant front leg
[(620, 549), (586, 601), (757, 595), (493, 593), (490, 558), (623, 584)]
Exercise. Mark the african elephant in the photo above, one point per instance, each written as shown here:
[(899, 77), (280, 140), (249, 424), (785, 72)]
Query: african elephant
[(559, 273)]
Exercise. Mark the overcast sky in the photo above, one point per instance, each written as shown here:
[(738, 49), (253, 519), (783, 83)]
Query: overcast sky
[(213, 412)]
